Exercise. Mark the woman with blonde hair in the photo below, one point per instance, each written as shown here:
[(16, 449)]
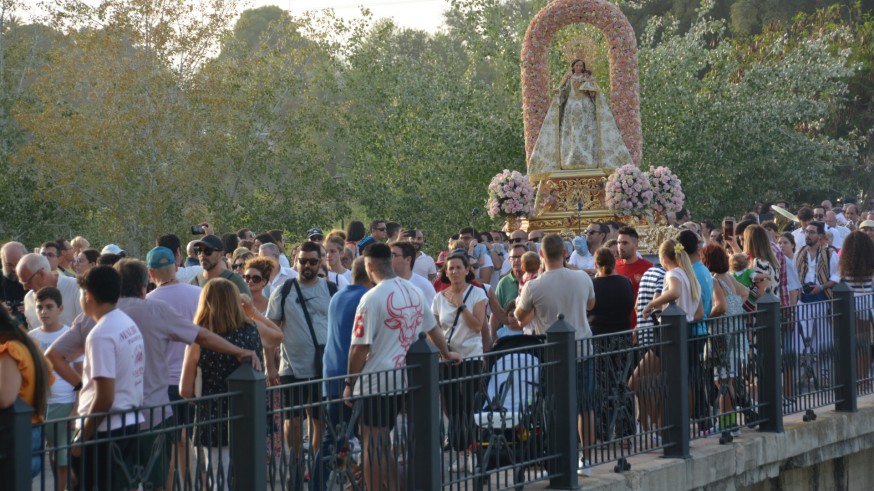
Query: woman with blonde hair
[(222, 311), (681, 285)]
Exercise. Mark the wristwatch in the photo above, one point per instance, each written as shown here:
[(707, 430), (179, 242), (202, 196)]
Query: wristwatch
[(461, 308)]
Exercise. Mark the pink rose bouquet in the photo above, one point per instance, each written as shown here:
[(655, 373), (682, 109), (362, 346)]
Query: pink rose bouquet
[(667, 189), (510, 194), (628, 191)]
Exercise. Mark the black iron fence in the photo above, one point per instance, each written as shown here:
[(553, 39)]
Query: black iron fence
[(498, 421)]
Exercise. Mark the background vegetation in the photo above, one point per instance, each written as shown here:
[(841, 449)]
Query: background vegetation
[(136, 118)]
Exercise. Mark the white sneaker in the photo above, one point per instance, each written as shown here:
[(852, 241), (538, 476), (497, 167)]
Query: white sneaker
[(585, 468)]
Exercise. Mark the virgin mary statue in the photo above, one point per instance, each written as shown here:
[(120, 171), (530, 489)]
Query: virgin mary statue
[(579, 131)]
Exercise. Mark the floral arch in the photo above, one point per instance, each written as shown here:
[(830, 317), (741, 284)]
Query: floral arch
[(624, 83)]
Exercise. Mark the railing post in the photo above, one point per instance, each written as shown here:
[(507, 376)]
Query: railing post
[(675, 373), (845, 344), (15, 442), (248, 428), (424, 466), (770, 363), (561, 380)]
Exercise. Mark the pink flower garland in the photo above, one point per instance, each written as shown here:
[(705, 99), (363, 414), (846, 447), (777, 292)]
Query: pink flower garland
[(624, 83)]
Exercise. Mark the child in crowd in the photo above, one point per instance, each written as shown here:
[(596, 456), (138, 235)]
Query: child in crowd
[(49, 305), (531, 267), (739, 266), (513, 328)]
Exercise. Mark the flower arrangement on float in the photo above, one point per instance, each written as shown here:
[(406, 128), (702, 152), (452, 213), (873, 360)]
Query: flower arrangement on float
[(668, 189), (510, 195), (630, 191)]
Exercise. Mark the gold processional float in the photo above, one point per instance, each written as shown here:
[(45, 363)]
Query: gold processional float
[(583, 155)]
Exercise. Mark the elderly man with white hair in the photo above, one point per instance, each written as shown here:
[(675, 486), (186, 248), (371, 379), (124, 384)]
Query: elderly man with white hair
[(34, 273)]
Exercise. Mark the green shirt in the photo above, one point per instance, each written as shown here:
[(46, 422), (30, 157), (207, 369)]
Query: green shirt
[(507, 289), (227, 274)]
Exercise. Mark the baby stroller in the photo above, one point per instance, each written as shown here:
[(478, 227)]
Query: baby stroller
[(510, 428)]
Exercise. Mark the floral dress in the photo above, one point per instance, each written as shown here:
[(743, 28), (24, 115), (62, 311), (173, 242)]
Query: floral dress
[(215, 368)]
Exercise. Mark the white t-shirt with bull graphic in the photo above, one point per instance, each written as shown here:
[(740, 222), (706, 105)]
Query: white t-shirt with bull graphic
[(389, 319)]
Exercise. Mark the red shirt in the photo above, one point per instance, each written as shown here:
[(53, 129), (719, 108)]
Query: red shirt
[(634, 272)]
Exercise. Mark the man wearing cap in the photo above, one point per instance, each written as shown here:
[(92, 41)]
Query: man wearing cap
[(183, 273), (211, 251), (424, 265), (868, 227), (113, 249), (315, 235), (34, 273)]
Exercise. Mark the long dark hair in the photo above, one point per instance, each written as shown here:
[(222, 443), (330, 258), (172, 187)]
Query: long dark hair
[(9, 331)]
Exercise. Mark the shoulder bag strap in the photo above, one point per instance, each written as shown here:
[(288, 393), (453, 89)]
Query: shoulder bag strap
[(457, 315), (306, 313)]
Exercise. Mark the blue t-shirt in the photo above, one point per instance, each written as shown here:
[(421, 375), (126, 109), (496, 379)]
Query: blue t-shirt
[(702, 274), (341, 319)]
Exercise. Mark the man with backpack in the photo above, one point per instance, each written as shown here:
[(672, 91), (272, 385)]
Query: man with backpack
[(300, 308)]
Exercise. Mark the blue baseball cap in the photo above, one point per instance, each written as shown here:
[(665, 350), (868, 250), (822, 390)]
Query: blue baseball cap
[(160, 257)]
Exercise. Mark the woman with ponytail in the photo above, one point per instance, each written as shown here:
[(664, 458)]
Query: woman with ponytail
[(681, 285), (24, 373)]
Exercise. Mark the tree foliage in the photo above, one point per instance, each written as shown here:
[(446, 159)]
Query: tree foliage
[(134, 118)]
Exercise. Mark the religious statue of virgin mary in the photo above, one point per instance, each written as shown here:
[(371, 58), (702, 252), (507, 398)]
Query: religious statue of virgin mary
[(579, 131)]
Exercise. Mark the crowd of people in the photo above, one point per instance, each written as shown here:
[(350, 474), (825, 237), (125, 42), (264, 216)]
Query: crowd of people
[(86, 332)]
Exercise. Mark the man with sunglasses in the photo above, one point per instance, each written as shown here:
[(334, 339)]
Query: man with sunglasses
[(211, 252), (596, 234), (34, 273), (300, 308)]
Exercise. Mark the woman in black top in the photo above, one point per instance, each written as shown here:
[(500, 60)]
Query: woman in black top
[(610, 320)]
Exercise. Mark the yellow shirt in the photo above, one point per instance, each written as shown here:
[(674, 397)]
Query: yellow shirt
[(20, 354)]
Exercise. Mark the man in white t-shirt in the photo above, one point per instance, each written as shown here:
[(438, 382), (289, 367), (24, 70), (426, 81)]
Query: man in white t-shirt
[(112, 381), (403, 258), (560, 290), (389, 319), (424, 265), (34, 273)]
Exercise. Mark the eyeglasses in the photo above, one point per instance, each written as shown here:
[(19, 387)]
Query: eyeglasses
[(238, 266), (316, 238), (253, 278), (393, 255), (590, 232), (203, 251), (811, 232), (312, 261), (27, 281), (535, 239), (49, 254), (517, 240)]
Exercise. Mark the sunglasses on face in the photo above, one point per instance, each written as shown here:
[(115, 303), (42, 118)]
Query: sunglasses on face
[(590, 232), (536, 239), (517, 240), (252, 278), (313, 261), (238, 266), (203, 251)]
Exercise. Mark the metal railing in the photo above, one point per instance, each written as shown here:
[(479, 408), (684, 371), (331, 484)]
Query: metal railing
[(499, 421)]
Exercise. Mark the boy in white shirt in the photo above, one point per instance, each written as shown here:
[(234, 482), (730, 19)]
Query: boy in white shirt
[(49, 306), (112, 378)]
